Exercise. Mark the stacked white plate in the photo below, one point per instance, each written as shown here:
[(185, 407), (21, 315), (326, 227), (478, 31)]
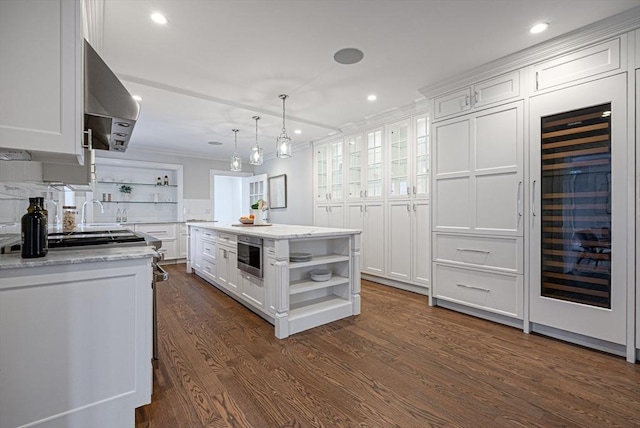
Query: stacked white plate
[(320, 275), (300, 257)]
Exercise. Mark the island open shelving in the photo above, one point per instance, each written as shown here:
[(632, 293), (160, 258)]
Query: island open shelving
[(292, 301)]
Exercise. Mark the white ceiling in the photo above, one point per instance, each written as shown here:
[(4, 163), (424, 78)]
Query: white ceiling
[(217, 63)]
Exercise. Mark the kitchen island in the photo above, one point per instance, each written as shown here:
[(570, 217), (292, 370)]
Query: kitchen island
[(284, 294), (75, 336)]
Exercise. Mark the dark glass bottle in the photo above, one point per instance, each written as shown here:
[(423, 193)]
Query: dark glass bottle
[(34, 230)]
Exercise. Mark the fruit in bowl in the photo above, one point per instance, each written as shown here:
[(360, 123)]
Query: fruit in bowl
[(246, 220)]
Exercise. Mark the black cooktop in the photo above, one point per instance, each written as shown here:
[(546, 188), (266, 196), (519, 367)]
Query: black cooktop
[(89, 238)]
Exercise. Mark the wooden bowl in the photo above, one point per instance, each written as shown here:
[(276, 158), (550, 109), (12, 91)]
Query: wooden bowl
[(246, 220)]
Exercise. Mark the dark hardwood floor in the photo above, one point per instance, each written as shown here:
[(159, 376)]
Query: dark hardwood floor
[(400, 363)]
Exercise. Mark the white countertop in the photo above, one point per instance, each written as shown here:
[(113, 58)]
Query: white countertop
[(65, 256), (277, 231)]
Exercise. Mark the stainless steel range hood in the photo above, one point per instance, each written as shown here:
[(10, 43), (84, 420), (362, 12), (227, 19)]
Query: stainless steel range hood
[(109, 110)]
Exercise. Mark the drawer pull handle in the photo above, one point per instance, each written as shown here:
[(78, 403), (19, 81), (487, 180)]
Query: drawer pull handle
[(472, 287), (473, 250)]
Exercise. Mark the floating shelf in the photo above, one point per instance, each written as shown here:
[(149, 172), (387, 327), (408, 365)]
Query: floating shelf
[(120, 183), (136, 202)]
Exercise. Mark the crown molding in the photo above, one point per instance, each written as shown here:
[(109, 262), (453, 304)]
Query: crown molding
[(592, 33)]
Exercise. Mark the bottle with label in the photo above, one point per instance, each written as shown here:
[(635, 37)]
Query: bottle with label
[(124, 215), (34, 231), (118, 216)]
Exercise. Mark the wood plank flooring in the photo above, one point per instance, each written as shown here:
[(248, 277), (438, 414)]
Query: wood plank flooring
[(400, 363)]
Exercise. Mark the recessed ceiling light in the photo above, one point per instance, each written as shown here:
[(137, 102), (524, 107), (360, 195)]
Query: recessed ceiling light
[(137, 97), (215, 143), (158, 18), (539, 28), (372, 97), (348, 56), (297, 131)]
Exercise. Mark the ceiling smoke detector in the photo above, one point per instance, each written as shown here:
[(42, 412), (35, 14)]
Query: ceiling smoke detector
[(348, 56)]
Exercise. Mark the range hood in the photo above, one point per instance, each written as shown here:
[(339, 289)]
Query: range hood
[(109, 110)]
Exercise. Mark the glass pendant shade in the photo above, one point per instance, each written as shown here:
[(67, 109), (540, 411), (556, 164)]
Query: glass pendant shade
[(236, 160), (283, 146), (283, 143), (256, 156)]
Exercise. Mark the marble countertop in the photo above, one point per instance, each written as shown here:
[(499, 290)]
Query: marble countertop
[(65, 256), (277, 231)]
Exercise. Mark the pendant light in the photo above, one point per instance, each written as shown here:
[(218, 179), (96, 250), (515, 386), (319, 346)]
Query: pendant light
[(236, 161), (283, 143), (256, 152)]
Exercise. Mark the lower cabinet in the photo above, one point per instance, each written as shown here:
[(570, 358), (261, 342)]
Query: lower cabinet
[(165, 232), (369, 217), (330, 215), (227, 263), (252, 289), (483, 272), (82, 353)]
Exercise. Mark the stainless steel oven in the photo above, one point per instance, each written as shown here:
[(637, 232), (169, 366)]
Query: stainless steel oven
[(250, 255)]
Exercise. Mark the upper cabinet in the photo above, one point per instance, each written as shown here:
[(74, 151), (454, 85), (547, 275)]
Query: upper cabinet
[(408, 158), (570, 69), (328, 164), (488, 92), (374, 165), (41, 79)]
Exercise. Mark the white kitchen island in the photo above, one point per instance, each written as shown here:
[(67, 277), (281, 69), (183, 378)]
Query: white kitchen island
[(285, 295), (75, 337)]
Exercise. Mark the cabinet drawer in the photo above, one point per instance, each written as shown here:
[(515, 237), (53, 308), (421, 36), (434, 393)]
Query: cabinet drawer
[(578, 65), (208, 234), (208, 250), (226, 238), (253, 290), (209, 270), (160, 231), (505, 254), (494, 292)]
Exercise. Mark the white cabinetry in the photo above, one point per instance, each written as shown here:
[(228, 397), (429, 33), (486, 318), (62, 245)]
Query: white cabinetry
[(183, 240), (252, 289), (479, 166), (478, 210), (166, 232), (489, 92), (408, 249), (329, 184), (369, 217), (41, 79), (76, 344), (576, 66), (227, 262)]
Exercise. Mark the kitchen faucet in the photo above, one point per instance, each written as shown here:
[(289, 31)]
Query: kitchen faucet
[(84, 213)]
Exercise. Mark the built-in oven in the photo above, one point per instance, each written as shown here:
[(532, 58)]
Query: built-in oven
[(250, 255)]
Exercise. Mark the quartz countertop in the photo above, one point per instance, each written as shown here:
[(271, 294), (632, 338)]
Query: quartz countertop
[(83, 255), (277, 231)]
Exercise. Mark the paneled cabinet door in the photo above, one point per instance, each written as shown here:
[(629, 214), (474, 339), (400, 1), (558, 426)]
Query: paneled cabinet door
[(373, 238), (399, 249), (421, 245), (41, 78), (195, 248), (479, 163), (455, 102)]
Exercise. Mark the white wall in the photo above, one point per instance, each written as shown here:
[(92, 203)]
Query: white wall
[(299, 171)]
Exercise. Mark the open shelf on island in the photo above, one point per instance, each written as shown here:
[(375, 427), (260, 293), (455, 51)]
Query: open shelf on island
[(316, 306), (319, 260), (302, 286)]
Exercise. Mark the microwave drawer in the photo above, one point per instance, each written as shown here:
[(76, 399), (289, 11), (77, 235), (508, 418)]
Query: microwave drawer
[(499, 253), (494, 292)]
